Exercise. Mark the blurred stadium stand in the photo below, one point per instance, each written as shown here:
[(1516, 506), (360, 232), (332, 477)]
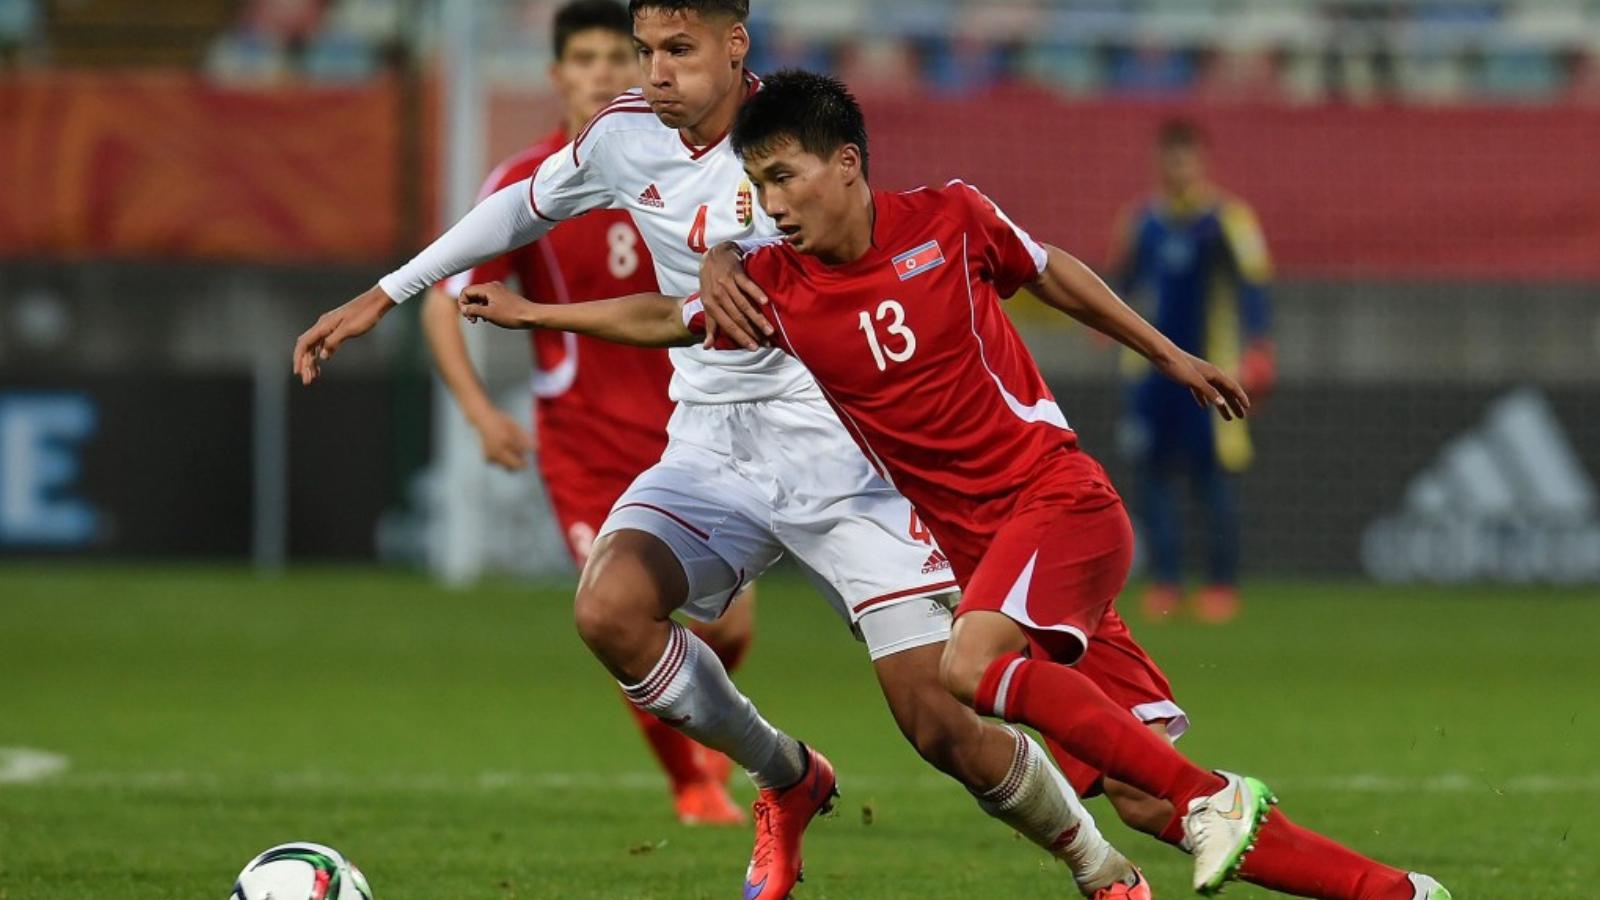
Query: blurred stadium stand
[(190, 183), (1424, 51)]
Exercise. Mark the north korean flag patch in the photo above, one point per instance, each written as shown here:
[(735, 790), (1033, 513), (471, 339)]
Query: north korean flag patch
[(912, 263)]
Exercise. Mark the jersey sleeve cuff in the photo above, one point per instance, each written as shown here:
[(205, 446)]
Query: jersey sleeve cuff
[(694, 315), (396, 287)]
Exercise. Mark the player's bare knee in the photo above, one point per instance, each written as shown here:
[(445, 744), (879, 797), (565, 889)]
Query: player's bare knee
[(600, 623), (961, 671), (977, 640), (620, 608)]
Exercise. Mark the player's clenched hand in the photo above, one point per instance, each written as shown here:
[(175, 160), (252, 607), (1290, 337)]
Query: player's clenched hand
[(1210, 385), (496, 303), (733, 302), (505, 443), (324, 339)]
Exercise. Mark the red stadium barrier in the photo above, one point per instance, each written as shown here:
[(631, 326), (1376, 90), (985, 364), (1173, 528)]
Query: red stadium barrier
[(1458, 193), (142, 165), (165, 166)]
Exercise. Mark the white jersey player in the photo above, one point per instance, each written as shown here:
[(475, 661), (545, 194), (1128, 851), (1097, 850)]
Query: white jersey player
[(721, 482), (758, 465), (684, 200)]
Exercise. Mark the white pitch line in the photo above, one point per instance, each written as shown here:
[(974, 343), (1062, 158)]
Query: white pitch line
[(24, 765), (626, 782), (1448, 783)]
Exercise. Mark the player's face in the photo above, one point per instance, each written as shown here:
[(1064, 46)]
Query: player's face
[(690, 63), (807, 196), (1182, 169), (594, 68)]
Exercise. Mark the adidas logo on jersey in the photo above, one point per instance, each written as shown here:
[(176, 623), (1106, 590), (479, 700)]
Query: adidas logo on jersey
[(937, 562), (1507, 501), (652, 198)]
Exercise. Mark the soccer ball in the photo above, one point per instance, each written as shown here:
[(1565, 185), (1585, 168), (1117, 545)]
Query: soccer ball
[(301, 871)]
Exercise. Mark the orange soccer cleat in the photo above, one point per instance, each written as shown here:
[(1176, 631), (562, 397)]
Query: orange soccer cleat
[(717, 766), (1217, 605), (1161, 602), (1139, 890), (781, 820), (706, 803)]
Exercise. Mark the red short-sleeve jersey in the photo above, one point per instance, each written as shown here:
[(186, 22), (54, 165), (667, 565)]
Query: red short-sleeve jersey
[(913, 349), (602, 408)]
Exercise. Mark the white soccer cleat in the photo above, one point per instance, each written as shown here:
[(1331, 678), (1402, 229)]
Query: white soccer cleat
[(1222, 828), (1426, 888)]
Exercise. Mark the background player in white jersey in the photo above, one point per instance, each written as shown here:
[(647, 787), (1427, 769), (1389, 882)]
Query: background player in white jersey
[(758, 465)]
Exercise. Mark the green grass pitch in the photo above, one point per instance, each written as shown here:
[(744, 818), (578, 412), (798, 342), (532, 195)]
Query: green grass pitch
[(463, 745)]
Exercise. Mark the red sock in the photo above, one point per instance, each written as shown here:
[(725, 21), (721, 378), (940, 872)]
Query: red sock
[(1292, 860), (681, 757), (730, 650), (1071, 710)]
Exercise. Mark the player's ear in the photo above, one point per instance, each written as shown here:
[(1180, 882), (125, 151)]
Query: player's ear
[(849, 161), (738, 45)]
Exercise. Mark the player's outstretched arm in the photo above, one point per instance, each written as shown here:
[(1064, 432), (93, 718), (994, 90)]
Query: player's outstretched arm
[(640, 320), (501, 223), (322, 340), (1072, 287)]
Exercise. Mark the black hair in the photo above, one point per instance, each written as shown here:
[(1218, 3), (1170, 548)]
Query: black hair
[(738, 9), (816, 111), (1180, 134), (587, 15)]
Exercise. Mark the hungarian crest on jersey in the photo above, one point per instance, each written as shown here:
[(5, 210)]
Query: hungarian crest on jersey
[(745, 206)]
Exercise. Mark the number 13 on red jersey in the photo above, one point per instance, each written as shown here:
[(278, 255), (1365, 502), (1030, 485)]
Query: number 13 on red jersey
[(893, 316)]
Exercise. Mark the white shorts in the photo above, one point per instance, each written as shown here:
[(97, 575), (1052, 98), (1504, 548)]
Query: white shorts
[(741, 484)]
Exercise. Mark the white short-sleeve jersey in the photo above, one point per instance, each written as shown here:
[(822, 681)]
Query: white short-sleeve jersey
[(684, 201)]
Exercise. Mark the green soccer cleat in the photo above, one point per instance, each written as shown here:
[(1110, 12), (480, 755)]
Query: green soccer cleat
[(1222, 828), (1426, 888)]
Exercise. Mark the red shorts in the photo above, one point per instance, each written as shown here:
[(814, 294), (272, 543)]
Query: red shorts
[(1056, 564), (581, 501), (592, 448), (1056, 567)]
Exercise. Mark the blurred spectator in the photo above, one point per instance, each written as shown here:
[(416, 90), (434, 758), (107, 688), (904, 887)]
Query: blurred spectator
[(1358, 58), (1199, 252), (1152, 69), (291, 23), (1363, 51)]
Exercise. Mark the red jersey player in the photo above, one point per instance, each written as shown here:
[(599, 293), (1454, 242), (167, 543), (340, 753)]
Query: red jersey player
[(601, 408), (893, 302), (757, 466)]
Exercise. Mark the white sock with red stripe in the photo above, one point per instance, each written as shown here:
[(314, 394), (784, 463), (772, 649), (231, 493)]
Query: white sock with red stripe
[(1039, 803), (690, 690)]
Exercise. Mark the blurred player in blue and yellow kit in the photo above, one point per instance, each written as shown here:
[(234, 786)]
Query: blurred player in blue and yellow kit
[(1199, 257)]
